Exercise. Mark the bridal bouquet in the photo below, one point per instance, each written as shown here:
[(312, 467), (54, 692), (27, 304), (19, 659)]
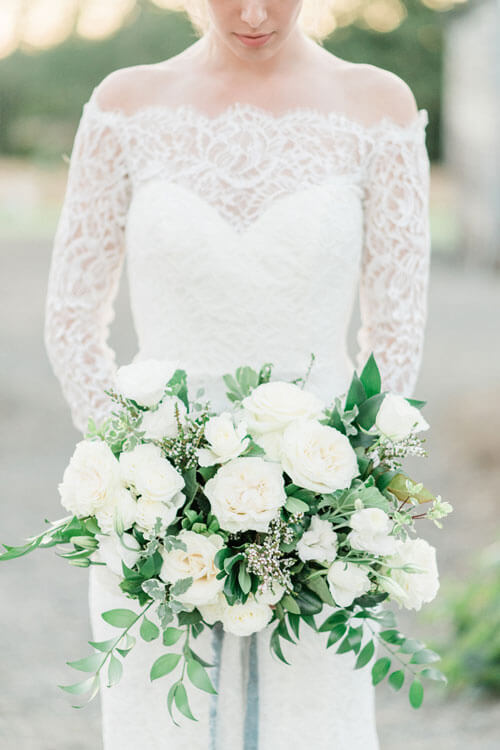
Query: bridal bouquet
[(255, 517)]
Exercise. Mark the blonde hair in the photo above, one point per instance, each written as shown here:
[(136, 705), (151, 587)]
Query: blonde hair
[(316, 17)]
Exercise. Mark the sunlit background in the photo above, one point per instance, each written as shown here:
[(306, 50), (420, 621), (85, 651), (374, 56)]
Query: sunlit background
[(52, 54)]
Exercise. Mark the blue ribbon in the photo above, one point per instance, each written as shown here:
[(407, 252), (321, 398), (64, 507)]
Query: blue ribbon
[(251, 736), (217, 638)]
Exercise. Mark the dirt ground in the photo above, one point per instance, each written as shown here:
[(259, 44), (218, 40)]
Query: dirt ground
[(44, 618)]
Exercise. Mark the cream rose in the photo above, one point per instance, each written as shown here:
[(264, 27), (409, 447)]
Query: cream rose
[(396, 418), (162, 422), (413, 589), (371, 528), (247, 618), (152, 475), (246, 493), (272, 406), (347, 581), (91, 480), (144, 381), (198, 562), (226, 441), (318, 457), (319, 542)]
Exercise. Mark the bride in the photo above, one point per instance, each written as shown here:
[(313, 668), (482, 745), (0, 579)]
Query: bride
[(255, 184)]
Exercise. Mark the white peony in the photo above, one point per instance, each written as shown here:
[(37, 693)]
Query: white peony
[(153, 476), (396, 418), (198, 562), (162, 422), (347, 581), (121, 509), (270, 595), (246, 493), (272, 406), (318, 457), (111, 551), (371, 528), (144, 381), (91, 480), (247, 618), (413, 589), (319, 542), (226, 441), (147, 511), (214, 610)]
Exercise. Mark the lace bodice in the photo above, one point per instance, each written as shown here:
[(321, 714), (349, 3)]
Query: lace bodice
[(246, 237)]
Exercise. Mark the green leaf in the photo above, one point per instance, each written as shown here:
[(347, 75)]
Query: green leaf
[(365, 655), (119, 618), (182, 703), (356, 393), (115, 671), (336, 634), (416, 693), (337, 618), (149, 631), (181, 586), (244, 579), (199, 677), (370, 377), (89, 663), (424, 656), (275, 645), (294, 621), (396, 679), (105, 645), (309, 602), (391, 636), (410, 645), (171, 636), (320, 587), (433, 674), (380, 669), (368, 411), (191, 654), (163, 665), (294, 505), (170, 700), (289, 603), (80, 687)]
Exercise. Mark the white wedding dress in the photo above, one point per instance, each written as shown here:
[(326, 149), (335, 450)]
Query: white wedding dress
[(247, 236)]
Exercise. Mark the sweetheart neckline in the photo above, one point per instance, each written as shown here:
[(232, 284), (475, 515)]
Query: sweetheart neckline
[(236, 108)]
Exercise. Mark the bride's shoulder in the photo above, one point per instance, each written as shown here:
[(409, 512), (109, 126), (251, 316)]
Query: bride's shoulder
[(376, 93), (127, 89)]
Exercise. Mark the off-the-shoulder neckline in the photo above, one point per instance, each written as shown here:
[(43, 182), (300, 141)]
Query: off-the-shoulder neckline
[(192, 113)]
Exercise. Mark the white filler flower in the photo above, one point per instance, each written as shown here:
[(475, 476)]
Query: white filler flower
[(226, 441), (246, 493), (319, 542), (318, 457), (162, 422), (347, 581), (413, 589), (92, 480), (371, 528), (144, 381), (272, 406), (247, 618), (198, 562), (396, 418)]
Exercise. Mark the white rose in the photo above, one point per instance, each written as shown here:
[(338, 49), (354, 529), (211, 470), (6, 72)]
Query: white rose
[(271, 443), (272, 406), (111, 551), (214, 611), (347, 581), (417, 588), (144, 381), (270, 595), (248, 618), (246, 493), (121, 509), (396, 418), (198, 562), (319, 542), (91, 479), (370, 532), (226, 441), (318, 457), (152, 475), (148, 511), (162, 422)]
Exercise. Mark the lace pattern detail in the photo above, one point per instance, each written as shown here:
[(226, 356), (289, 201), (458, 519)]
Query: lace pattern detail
[(240, 161)]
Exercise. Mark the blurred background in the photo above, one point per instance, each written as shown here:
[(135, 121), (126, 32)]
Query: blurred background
[(52, 53)]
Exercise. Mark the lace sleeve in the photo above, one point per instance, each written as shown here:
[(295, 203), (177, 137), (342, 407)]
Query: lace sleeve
[(396, 254), (87, 259)]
